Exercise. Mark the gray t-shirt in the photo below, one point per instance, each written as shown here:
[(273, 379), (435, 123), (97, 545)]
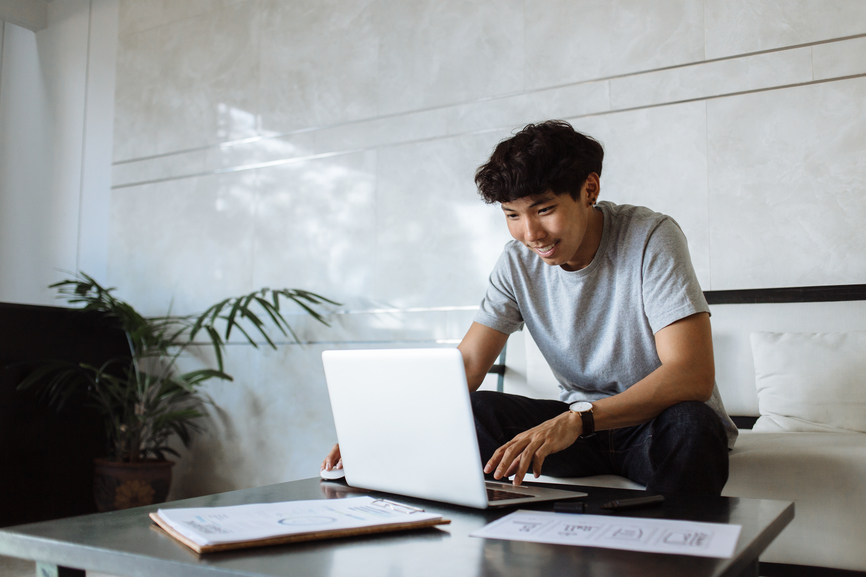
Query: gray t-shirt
[(596, 326)]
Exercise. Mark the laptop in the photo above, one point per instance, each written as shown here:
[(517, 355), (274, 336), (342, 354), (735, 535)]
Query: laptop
[(405, 426)]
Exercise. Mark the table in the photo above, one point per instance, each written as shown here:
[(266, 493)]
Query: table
[(127, 543)]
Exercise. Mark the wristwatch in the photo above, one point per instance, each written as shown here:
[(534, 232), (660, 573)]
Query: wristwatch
[(584, 409)]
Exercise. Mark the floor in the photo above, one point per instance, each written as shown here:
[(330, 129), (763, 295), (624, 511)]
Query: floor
[(12, 567)]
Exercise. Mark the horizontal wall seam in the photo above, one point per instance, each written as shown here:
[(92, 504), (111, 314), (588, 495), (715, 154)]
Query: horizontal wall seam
[(408, 310), (252, 139), (279, 162), (258, 165), (390, 310), (333, 343), (725, 95)]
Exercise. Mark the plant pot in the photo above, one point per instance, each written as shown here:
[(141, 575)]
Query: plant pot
[(126, 485)]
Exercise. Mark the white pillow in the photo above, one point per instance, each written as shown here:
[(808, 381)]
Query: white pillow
[(810, 381)]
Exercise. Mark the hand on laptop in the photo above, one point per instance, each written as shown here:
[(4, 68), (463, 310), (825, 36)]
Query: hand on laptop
[(528, 449), (333, 460)]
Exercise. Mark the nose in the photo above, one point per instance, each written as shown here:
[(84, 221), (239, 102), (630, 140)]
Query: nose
[(533, 230)]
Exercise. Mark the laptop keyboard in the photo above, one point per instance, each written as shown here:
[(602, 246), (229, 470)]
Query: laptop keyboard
[(499, 495)]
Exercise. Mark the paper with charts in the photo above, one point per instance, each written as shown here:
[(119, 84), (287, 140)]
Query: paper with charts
[(629, 533), (232, 524)]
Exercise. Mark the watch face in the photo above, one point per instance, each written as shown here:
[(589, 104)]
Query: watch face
[(580, 407)]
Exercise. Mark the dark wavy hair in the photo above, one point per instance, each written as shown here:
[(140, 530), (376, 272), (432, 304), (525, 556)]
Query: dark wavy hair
[(550, 156)]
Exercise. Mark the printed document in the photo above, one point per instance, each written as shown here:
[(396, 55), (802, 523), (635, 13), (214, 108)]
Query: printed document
[(239, 523), (609, 532)]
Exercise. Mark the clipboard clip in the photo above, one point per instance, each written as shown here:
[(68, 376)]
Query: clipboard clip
[(396, 507)]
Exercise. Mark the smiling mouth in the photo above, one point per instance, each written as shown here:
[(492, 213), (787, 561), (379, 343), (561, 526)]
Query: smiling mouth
[(543, 250)]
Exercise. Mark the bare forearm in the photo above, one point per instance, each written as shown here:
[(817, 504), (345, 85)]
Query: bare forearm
[(474, 374), (646, 399), (479, 348)]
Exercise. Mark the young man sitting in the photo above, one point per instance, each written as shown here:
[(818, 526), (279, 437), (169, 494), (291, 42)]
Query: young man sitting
[(609, 295)]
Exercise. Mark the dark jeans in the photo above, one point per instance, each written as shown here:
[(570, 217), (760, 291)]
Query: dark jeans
[(683, 450)]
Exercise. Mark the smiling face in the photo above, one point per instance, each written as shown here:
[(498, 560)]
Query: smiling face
[(559, 229)]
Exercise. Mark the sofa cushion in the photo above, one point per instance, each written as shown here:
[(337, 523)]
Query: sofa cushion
[(823, 474), (810, 381)]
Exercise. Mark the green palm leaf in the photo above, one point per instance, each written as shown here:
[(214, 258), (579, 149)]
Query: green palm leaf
[(143, 397)]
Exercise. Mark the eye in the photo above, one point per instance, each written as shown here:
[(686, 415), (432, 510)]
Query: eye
[(546, 209)]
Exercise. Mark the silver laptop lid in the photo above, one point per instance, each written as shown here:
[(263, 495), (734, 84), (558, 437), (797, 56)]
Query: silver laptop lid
[(404, 423), (405, 426)]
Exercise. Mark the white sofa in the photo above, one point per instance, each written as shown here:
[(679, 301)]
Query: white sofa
[(824, 470)]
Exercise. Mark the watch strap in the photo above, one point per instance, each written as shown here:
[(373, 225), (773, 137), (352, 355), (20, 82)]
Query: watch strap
[(588, 422)]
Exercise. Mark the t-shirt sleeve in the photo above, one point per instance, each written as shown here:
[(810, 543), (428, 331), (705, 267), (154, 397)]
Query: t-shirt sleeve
[(499, 309), (671, 290)]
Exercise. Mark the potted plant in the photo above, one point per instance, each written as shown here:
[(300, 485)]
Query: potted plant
[(145, 399)]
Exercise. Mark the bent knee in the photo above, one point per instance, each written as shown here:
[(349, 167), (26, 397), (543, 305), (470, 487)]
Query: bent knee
[(482, 399), (691, 420)]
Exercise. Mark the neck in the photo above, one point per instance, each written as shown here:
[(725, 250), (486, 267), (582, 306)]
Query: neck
[(591, 241)]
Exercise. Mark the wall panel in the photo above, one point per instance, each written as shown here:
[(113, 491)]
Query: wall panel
[(315, 225), (436, 52), (304, 77), (745, 26), (191, 82), (786, 186), (839, 59), (575, 41), (183, 245)]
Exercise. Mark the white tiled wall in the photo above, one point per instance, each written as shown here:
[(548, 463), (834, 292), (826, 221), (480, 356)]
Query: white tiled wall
[(330, 145)]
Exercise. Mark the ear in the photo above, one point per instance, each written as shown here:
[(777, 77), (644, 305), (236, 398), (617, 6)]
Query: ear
[(592, 186)]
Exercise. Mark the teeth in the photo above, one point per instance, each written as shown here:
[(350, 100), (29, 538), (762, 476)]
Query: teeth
[(545, 248)]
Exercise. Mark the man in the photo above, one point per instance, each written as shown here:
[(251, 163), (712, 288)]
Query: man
[(609, 295)]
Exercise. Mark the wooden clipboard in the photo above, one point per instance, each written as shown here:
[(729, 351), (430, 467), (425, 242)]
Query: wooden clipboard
[(298, 537)]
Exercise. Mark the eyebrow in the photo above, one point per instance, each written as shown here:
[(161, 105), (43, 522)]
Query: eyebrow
[(543, 200)]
